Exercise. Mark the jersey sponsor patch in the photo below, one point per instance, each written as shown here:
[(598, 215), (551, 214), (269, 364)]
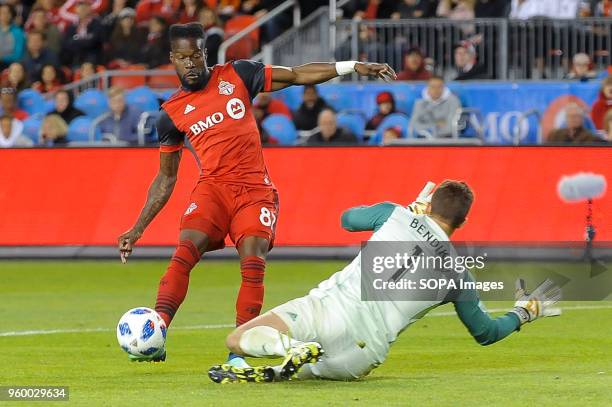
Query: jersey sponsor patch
[(235, 108), (226, 88), (188, 109)]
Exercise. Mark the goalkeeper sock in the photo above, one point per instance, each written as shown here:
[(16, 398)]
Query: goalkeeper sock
[(173, 285), (251, 294), (262, 341)]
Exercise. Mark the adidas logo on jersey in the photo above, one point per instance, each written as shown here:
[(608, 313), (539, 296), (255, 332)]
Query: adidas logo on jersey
[(188, 109)]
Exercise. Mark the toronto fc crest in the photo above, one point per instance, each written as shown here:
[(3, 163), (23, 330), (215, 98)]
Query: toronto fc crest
[(226, 88)]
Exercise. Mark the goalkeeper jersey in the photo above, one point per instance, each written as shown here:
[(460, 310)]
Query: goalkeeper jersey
[(395, 223)]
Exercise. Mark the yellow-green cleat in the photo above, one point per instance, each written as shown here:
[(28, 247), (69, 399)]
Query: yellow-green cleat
[(226, 373), (298, 356)]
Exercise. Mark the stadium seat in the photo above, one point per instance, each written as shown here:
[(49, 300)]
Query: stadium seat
[(49, 106), (31, 127), (352, 121), (31, 101), (245, 47), (281, 128), (405, 95), (393, 120), (129, 82), (165, 95), (143, 98), (292, 96), (92, 102), (78, 129), (167, 81), (341, 97)]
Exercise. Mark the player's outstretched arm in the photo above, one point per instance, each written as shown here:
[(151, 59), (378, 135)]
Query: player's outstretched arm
[(159, 192), (318, 72), (529, 307), (364, 218)]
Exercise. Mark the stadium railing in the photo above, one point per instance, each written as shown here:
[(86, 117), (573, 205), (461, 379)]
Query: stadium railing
[(310, 41), (225, 45), (508, 49)]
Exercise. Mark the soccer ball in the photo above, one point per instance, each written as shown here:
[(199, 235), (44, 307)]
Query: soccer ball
[(141, 332)]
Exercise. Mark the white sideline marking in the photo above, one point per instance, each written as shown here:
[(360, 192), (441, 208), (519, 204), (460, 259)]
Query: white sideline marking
[(85, 330), (222, 326)]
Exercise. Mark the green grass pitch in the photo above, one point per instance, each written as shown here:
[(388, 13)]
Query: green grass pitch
[(556, 361)]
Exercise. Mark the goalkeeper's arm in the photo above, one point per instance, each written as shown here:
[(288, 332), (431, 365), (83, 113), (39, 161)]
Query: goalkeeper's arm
[(528, 308), (367, 218), (482, 327)]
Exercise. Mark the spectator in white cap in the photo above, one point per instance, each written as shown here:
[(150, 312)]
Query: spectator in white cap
[(466, 63), (581, 68)]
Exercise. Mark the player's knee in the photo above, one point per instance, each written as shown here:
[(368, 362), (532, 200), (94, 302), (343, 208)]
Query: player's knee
[(200, 240), (232, 342), (254, 246)]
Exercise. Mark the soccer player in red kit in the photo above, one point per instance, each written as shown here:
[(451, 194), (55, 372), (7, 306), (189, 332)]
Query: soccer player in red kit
[(211, 114)]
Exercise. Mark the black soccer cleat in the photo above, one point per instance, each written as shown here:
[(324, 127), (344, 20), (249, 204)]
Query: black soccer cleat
[(298, 356), (157, 357), (226, 373)]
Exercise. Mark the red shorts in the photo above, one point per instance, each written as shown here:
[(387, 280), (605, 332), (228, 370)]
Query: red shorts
[(240, 211)]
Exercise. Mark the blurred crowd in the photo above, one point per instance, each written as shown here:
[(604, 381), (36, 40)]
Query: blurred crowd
[(469, 9), (432, 117), (533, 45), (45, 44)]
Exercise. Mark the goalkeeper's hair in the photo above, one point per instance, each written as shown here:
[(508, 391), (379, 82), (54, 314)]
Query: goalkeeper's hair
[(452, 201), (189, 30)]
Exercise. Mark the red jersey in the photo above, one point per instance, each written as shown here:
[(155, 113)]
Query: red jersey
[(217, 124)]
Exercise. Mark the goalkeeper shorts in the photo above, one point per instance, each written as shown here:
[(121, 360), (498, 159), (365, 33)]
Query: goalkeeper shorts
[(347, 334)]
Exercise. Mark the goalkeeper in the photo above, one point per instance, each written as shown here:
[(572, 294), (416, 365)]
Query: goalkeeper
[(332, 334)]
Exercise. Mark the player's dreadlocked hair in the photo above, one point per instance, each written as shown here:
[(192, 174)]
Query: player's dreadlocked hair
[(189, 30)]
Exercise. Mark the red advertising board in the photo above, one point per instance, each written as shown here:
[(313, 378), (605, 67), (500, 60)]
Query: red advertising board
[(90, 196)]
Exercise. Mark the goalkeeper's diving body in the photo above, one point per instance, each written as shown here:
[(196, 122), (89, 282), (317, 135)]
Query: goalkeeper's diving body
[(331, 333)]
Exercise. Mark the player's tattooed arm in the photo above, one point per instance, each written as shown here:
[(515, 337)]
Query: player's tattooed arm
[(159, 192), (319, 72)]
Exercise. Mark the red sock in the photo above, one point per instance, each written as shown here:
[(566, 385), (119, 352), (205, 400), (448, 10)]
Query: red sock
[(251, 294), (173, 285)]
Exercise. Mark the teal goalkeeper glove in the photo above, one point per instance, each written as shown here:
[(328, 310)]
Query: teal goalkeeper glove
[(539, 303), (419, 206)]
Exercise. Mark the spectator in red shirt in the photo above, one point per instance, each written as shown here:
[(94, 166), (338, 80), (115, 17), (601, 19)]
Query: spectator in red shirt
[(50, 80), (269, 106), (146, 9), (603, 103), (415, 68), (607, 126), (51, 15), (8, 102), (70, 14), (190, 10)]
